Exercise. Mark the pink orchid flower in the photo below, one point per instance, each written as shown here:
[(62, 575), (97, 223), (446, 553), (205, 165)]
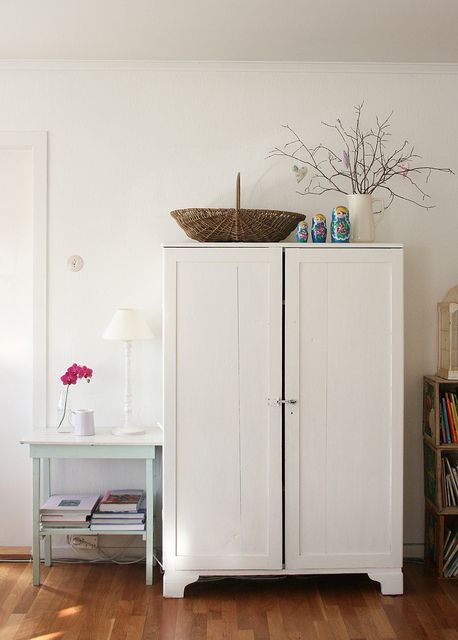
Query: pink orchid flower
[(74, 373)]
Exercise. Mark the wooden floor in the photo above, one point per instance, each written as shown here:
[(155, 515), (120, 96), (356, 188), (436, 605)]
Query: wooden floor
[(110, 602)]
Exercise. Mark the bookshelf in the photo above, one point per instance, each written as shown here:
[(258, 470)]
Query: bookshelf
[(440, 445)]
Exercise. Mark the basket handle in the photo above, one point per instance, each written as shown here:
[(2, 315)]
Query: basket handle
[(237, 192)]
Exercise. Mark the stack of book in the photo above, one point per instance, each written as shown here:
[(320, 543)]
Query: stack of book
[(120, 509), (451, 554), (449, 417), (449, 481), (68, 511)]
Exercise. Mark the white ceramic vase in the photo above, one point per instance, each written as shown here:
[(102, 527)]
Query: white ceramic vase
[(362, 217)]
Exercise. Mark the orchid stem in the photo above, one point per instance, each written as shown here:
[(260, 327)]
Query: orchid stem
[(65, 408)]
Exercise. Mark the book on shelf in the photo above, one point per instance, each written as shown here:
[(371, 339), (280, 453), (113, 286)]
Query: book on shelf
[(115, 527), (452, 402), (123, 509), (59, 524), (74, 503), (68, 511), (444, 419), (120, 500), (448, 417), (449, 474), (78, 517), (123, 522), (65, 517), (451, 554), (126, 515)]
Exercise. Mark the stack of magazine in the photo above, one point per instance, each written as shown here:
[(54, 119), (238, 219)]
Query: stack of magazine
[(120, 509), (68, 511)]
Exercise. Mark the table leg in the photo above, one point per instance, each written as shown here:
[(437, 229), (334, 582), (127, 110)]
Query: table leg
[(36, 522), (46, 488), (155, 484), (149, 520)]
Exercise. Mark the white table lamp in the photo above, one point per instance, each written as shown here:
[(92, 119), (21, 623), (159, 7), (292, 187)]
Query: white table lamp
[(128, 325)]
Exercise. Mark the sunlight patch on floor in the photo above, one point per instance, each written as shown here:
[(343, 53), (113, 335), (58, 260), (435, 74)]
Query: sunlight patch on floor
[(70, 611)]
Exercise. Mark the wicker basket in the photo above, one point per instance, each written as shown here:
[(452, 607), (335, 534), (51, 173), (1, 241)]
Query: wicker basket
[(236, 225)]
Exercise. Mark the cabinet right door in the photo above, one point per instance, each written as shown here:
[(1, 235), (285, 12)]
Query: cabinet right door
[(344, 436)]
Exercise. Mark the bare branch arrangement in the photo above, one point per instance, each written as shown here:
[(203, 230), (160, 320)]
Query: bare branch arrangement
[(365, 163)]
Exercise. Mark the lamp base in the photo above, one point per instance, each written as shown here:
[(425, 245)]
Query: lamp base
[(131, 430)]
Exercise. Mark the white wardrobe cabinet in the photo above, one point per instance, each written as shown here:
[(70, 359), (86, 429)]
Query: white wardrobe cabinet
[(283, 405)]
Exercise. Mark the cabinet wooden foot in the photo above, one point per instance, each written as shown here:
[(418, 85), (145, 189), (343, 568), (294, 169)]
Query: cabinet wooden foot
[(391, 581), (174, 582)]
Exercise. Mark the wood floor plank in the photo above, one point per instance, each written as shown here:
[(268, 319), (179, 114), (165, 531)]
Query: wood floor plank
[(11, 595), (275, 623), (185, 620), (369, 628), (11, 626), (229, 614), (135, 627), (323, 630), (168, 619), (378, 614), (108, 602), (336, 622), (448, 616)]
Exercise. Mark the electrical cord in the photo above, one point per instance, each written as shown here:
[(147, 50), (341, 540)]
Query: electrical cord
[(104, 556)]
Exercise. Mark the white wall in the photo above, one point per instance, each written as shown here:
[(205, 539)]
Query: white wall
[(128, 145)]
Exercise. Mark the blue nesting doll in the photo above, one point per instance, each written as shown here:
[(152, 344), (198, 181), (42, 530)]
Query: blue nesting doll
[(302, 231), (340, 225), (319, 228)]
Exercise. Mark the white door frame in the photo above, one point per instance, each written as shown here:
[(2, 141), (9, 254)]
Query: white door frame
[(37, 143)]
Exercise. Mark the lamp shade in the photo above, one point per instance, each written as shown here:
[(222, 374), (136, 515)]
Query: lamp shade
[(128, 324)]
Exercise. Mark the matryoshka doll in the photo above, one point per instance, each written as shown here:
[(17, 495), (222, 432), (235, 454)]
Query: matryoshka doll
[(319, 228), (302, 231), (340, 225)]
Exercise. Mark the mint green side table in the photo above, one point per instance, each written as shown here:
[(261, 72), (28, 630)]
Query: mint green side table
[(48, 444)]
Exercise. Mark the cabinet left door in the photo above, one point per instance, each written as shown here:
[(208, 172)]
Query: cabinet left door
[(222, 429)]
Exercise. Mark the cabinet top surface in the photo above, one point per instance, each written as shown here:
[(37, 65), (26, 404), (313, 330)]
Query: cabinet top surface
[(282, 245), (103, 436)]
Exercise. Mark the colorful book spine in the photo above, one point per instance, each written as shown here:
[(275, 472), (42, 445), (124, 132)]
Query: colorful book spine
[(445, 418), (454, 405), (442, 427), (451, 420)]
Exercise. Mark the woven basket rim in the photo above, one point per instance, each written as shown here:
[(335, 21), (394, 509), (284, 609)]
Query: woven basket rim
[(213, 211)]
